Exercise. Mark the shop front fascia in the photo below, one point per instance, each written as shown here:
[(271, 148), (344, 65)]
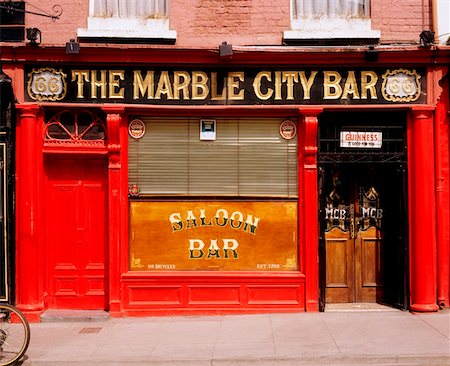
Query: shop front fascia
[(169, 249)]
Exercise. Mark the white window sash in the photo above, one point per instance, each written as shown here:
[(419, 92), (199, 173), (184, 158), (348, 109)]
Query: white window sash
[(146, 19), (330, 19), (330, 9), (129, 8)]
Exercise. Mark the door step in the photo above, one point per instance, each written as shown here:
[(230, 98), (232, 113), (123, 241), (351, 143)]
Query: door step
[(355, 306), (68, 315)]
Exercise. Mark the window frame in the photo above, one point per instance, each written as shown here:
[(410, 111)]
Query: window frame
[(324, 28), (12, 27), (117, 28)]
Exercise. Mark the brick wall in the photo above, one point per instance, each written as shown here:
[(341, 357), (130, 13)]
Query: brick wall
[(74, 16), (207, 23), (400, 21), (240, 22)]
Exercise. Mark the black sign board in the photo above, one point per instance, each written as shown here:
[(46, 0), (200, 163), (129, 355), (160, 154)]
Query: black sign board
[(166, 86)]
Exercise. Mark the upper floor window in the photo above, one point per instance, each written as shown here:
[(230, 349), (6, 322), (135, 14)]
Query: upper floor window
[(307, 9), (331, 20), (12, 21), (130, 19), (130, 9)]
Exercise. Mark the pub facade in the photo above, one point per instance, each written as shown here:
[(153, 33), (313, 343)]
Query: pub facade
[(155, 180)]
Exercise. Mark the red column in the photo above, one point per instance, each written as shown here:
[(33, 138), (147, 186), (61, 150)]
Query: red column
[(115, 208), (310, 220), (422, 210), (29, 249)]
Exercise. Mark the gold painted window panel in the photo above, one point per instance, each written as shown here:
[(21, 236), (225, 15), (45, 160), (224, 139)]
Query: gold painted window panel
[(213, 236)]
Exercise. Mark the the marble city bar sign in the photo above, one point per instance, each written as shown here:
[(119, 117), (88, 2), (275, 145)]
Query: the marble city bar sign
[(224, 86)]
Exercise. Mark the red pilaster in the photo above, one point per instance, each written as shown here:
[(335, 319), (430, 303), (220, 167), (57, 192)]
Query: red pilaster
[(113, 122), (310, 220), (422, 210), (442, 183), (29, 274)]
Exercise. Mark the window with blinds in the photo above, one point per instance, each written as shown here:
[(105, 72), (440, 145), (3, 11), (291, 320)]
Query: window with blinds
[(248, 158)]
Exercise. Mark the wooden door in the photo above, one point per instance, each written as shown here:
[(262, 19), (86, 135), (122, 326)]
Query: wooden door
[(353, 236), (76, 232)]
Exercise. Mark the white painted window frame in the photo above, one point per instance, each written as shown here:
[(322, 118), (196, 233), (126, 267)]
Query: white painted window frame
[(138, 19), (310, 24)]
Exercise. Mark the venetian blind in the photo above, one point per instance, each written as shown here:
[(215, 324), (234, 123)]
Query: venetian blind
[(248, 158)]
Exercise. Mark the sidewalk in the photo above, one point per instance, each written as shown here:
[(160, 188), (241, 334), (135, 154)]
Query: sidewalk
[(359, 337)]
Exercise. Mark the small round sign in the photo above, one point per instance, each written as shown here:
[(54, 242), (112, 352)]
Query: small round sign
[(134, 190), (136, 129), (288, 129)]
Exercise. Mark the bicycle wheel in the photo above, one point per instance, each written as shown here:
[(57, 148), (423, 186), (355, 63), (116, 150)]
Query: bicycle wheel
[(14, 334)]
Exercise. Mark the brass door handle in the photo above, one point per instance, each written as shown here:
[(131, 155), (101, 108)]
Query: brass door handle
[(352, 227)]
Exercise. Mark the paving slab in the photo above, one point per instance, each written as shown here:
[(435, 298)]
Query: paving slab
[(360, 337)]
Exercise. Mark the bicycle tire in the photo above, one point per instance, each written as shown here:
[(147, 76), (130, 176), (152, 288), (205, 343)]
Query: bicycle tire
[(14, 334)]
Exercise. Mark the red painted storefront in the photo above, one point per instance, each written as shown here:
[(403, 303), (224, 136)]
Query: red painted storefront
[(73, 207)]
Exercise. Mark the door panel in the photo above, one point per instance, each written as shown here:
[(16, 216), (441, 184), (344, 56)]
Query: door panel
[(339, 261), (368, 272), (76, 232)]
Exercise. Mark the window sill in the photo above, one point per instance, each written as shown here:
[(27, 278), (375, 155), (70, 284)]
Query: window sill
[(331, 30), (136, 29)]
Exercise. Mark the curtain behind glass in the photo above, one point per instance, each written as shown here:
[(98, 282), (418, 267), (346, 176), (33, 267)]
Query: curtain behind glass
[(131, 8), (330, 9)]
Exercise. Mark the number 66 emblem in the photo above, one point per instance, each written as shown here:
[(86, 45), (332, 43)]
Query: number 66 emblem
[(401, 85), (46, 84)]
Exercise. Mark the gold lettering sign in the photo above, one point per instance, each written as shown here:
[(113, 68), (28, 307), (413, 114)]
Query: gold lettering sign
[(213, 236), (248, 86)]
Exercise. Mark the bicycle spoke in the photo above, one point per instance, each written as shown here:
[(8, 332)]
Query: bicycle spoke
[(14, 335)]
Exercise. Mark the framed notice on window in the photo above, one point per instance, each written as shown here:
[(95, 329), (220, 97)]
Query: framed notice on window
[(208, 129)]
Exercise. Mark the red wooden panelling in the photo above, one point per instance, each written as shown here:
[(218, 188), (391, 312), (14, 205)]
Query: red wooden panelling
[(271, 295), (212, 295), (146, 295), (181, 293)]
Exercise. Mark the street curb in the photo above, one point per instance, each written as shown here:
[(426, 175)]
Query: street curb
[(416, 360)]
